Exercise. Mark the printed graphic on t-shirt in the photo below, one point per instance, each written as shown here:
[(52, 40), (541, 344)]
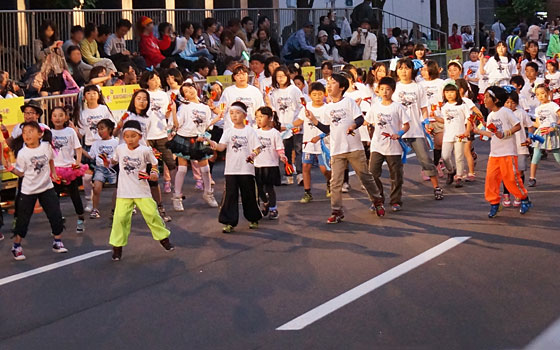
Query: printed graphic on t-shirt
[(337, 115), (407, 98), (430, 91), (266, 142), (283, 103), (383, 119), (131, 164), (59, 141), (92, 121), (544, 114), (450, 115), (498, 123), (39, 162), (108, 150), (239, 142), (198, 117), (248, 101)]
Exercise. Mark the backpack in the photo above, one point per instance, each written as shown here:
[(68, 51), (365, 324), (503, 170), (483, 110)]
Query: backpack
[(384, 51)]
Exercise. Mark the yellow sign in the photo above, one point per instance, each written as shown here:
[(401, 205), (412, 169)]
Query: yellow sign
[(456, 54), (364, 64), (308, 73), (226, 80), (118, 98), (10, 109)]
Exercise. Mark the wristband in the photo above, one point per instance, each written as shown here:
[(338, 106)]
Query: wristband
[(401, 133), (289, 126), (6, 134)]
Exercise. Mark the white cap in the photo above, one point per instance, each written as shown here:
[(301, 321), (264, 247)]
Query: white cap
[(322, 33), (337, 37)]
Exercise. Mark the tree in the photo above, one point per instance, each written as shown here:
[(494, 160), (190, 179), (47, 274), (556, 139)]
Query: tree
[(510, 12)]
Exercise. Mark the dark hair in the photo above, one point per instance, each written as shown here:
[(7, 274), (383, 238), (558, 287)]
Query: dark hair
[(553, 62), (348, 66), (124, 67), (316, 86), (240, 104), (265, 110), (452, 87), (268, 61), (88, 88), (135, 124), (261, 20), (18, 143), (419, 47), (342, 81), (234, 22), (463, 84), (162, 27), (76, 29), (94, 72), (474, 49), (432, 68), (227, 34), (499, 95), (90, 28), (167, 62), (526, 53), (348, 75), (43, 37), (497, 56), (294, 68), (72, 48), (514, 96), (327, 64), (300, 77), (51, 113), (103, 29), (370, 78), (542, 86), (132, 108), (145, 77), (245, 20), (258, 57), (286, 71), (186, 25), (407, 62), (456, 64), (208, 22), (176, 74), (390, 82), (238, 68), (124, 23), (532, 65), (201, 63), (517, 80), (109, 124)]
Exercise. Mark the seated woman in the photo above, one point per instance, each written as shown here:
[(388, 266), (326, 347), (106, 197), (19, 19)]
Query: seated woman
[(233, 46), (265, 44), (190, 53), (166, 40)]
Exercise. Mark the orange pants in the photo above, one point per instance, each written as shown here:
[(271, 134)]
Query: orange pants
[(503, 169)]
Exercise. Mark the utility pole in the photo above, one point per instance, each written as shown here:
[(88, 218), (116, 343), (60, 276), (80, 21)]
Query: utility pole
[(476, 21)]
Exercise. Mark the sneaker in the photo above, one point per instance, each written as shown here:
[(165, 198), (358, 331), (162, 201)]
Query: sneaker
[(424, 176), (442, 165), (438, 193), (167, 187), (80, 226), (210, 200), (532, 183), (450, 177), (346, 187), (89, 206), (440, 171), (117, 253), (525, 206), (396, 207), (328, 193), (336, 217), (494, 209), (227, 229), (163, 214), (290, 180), (94, 214), (167, 245), (199, 185), (516, 202), (378, 208), (18, 253), (307, 197), (58, 247), (264, 209), (177, 203), (273, 215), (254, 225), (458, 182), (299, 179), (506, 202), (470, 177)]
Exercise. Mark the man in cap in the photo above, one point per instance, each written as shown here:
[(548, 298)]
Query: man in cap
[(364, 41)]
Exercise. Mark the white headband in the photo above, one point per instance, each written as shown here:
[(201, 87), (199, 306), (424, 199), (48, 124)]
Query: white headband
[(237, 108), (132, 129)]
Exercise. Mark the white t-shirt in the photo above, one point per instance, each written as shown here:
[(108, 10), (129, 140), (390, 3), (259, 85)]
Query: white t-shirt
[(473, 66), (65, 143), (520, 136), (250, 96), (340, 116), (386, 119), (503, 119), (539, 61), (554, 83), (240, 143), (546, 114), (144, 123), (16, 131), (483, 81), (193, 119), (455, 118), (271, 141), (89, 119), (103, 146), (159, 101), (433, 90), (413, 99), (310, 130), (287, 104), (499, 73), (530, 101), (264, 83), (34, 164), (364, 107), (130, 163)]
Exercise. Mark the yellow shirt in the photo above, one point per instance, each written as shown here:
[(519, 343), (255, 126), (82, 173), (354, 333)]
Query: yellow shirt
[(89, 51)]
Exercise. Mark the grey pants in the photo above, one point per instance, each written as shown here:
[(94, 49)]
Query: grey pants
[(395, 172), (358, 161), (420, 147)]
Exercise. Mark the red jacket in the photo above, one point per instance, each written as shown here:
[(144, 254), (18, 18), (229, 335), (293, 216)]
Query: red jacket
[(149, 48), (455, 41)]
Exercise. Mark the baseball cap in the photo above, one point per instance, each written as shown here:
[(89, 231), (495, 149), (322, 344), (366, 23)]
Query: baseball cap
[(322, 33), (337, 37)]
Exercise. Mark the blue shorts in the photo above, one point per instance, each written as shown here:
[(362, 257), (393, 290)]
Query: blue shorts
[(309, 158), (105, 175)]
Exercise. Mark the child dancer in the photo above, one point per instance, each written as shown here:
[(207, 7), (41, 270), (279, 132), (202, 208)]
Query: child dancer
[(191, 122), (547, 118), (216, 90), (133, 189), (67, 145), (454, 70), (242, 146), (312, 141), (502, 162), (471, 69), (35, 164), (499, 67), (412, 97), (391, 122), (267, 172), (343, 118), (552, 76), (455, 114), (528, 91), (101, 152), (531, 54)]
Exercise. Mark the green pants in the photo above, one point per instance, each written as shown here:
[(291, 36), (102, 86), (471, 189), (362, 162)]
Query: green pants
[(123, 217)]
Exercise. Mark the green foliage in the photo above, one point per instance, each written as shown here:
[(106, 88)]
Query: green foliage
[(512, 11)]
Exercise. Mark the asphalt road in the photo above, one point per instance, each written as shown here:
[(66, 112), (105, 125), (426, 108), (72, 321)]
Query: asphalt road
[(499, 289)]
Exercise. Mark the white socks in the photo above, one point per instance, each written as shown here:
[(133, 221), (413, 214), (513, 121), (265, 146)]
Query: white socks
[(87, 185), (205, 174), (179, 178)]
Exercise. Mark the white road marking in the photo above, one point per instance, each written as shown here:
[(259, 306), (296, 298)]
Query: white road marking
[(549, 339), (357, 292), (50, 267)]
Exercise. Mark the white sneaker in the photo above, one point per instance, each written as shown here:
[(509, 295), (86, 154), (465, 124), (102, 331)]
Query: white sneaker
[(177, 203), (299, 179), (89, 206), (58, 247), (209, 198), (345, 187), (290, 180)]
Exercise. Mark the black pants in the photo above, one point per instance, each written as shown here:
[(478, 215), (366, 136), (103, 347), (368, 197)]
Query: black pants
[(74, 192), (51, 206), (267, 194), (229, 208)]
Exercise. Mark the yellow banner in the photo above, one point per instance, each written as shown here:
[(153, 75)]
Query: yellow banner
[(226, 80), (456, 54), (118, 97), (10, 109), (364, 64), (308, 73)]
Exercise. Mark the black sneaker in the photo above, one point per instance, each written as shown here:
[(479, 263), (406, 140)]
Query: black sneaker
[(163, 214), (438, 193), (450, 177), (264, 209), (117, 253), (166, 244), (532, 182)]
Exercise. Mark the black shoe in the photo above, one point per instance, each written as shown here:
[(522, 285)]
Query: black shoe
[(166, 244), (532, 182), (450, 178), (117, 253), (438, 193)]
